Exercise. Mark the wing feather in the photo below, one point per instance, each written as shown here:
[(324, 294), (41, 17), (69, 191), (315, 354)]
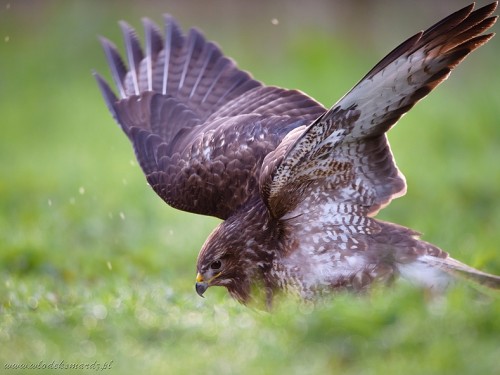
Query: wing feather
[(153, 48), (134, 57), (116, 65), (346, 148), (200, 127), (415, 68)]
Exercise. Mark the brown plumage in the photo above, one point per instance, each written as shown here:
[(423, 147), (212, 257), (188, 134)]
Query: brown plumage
[(296, 185)]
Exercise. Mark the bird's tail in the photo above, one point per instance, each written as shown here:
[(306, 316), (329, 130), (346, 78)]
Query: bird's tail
[(455, 268)]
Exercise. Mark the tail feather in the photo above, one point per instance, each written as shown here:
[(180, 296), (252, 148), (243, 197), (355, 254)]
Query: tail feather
[(455, 268)]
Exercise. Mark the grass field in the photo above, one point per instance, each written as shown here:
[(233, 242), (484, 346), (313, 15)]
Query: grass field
[(96, 270)]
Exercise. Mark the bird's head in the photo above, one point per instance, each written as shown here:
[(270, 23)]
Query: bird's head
[(232, 257), (221, 262)]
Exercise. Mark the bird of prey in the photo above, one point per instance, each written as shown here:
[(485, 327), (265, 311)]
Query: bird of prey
[(296, 185)]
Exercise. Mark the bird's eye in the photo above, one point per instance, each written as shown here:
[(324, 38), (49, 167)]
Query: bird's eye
[(216, 264)]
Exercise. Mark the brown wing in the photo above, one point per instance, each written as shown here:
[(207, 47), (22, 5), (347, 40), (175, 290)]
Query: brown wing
[(344, 155), (200, 127)]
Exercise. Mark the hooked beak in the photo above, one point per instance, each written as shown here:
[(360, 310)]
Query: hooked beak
[(201, 286)]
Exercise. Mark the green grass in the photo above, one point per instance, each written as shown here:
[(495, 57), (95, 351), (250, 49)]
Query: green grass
[(95, 268)]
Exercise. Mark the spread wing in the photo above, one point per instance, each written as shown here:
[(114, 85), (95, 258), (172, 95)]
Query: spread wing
[(343, 160), (200, 127)]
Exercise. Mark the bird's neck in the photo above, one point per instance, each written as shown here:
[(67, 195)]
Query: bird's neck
[(264, 239)]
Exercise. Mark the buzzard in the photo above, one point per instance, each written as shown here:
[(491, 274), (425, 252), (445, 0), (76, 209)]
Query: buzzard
[(296, 185)]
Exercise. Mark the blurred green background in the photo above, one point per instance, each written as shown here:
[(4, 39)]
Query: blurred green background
[(95, 268)]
